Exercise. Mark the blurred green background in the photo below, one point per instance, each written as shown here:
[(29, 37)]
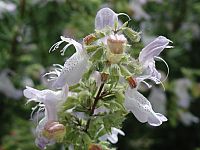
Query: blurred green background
[(28, 28)]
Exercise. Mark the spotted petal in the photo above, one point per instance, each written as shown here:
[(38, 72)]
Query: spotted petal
[(141, 108), (72, 70)]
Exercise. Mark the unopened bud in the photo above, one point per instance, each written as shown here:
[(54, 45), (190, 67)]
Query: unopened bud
[(94, 147), (89, 39), (116, 43), (132, 82), (104, 77), (54, 130), (132, 35)]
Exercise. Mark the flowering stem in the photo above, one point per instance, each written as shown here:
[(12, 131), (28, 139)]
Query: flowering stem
[(97, 98)]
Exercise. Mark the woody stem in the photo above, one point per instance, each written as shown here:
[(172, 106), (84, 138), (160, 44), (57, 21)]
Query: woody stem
[(97, 98)]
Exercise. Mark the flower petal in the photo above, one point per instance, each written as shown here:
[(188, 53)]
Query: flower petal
[(141, 108), (72, 71), (112, 137), (154, 49), (105, 17)]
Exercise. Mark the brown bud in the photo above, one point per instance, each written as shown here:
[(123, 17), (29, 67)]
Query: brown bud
[(54, 130), (116, 43), (89, 39), (132, 82), (95, 147), (104, 77)]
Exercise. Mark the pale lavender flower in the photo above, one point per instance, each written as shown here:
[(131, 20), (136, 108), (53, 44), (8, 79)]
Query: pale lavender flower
[(51, 101), (188, 118), (74, 67), (6, 7), (7, 87), (145, 1), (141, 108), (181, 90), (105, 17), (138, 12), (147, 56), (112, 136), (184, 99)]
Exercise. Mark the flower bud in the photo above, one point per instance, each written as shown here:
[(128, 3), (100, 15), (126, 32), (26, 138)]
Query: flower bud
[(54, 130), (116, 43), (132, 35), (89, 39), (104, 77), (94, 147), (132, 82)]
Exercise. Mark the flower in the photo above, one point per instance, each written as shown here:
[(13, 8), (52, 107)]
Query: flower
[(181, 90), (147, 56), (6, 7), (141, 108), (182, 86), (105, 18), (138, 11), (7, 87), (49, 129), (94, 147), (74, 67), (112, 136), (188, 118), (116, 43)]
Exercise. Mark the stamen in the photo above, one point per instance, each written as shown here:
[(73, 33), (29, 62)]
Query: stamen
[(159, 58)]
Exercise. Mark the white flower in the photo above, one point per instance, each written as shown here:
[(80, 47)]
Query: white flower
[(51, 101), (74, 67), (141, 108), (6, 7), (112, 137), (105, 18), (149, 53), (138, 11), (145, 1), (188, 118), (181, 90), (7, 87), (137, 7)]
